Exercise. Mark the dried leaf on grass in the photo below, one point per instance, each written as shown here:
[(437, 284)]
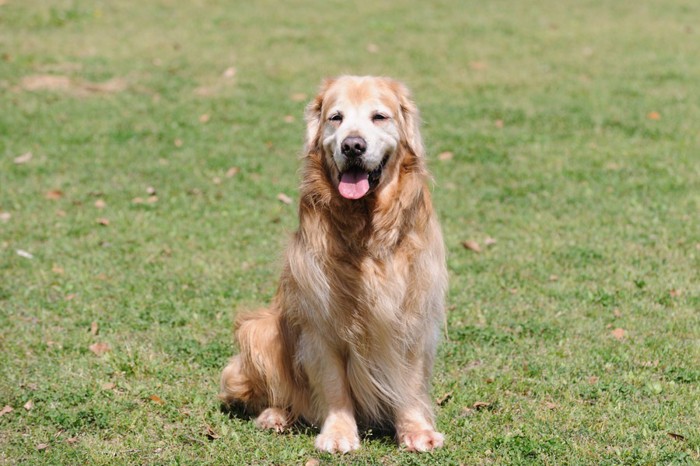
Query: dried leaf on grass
[(479, 405), (100, 204), (654, 115), (618, 333), (283, 198), (42, 446), (25, 254), (94, 328), (103, 221), (211, 433), (29, 405), (5, 410), (156, 399), (471, 245), (313, 462), (447, 155), (54, 194), (99, 348), (5, 216), (444, 399), (675, 436), (24, 158)]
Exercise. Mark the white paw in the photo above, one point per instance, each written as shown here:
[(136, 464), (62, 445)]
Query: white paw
[(422, 440), (337, 442), (273, 418)]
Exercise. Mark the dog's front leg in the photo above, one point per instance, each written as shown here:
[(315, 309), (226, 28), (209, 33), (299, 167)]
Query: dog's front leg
[(327, 377)]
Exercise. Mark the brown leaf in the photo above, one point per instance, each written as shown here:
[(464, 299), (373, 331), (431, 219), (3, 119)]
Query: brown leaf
[(231, 172), (5, 410), (151, 191), (444, 399), (675, 436), (654, 115), (108, 386), (553, 278), (70, 297), (479, 405), (489, 241), (675, 293), (54, 194), (29, 405), (472, 245), (152, 199), (42, 446), (211, 433), (24, 158), (550, 405), (156, 399), (229, 72), (444, 156), (5, 216), (94, 328), (592, 380), (283, 198), (72, 440), (216, 180), (99, 348), (100, 204), (103, 221), (204, 118), (618, 333), (312, 462), (498, 123)]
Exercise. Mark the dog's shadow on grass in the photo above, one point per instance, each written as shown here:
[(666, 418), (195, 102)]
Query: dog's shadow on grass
[(381, 434)]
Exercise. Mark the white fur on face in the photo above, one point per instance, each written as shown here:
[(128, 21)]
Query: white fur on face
[(361, 119)]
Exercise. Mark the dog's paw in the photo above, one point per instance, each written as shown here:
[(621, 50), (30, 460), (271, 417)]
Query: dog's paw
[(273, 418), (337, 442), (422, 440)]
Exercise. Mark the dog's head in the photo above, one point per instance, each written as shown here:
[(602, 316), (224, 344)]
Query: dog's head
[(362, 126)]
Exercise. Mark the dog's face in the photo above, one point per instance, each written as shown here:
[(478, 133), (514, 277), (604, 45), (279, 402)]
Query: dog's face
[(360, 124)]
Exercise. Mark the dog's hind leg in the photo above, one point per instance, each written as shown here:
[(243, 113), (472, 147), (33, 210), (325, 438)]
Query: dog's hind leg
[(258, 377)]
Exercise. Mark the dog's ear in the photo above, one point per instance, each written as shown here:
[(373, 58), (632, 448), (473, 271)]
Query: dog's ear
[(409, 118), (313, 115)]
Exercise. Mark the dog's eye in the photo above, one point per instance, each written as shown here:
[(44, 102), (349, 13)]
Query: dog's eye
[(377, 117), (336, 118)]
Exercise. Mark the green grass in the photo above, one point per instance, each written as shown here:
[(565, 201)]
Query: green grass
[(547, 107)]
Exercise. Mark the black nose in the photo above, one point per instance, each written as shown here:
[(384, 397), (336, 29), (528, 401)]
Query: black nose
[(353, 146)]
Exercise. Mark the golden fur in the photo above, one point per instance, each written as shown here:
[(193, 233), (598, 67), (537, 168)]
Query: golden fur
[(352, 331)]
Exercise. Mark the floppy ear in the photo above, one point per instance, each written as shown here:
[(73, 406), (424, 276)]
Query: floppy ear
[(312, 115), (409, 119)]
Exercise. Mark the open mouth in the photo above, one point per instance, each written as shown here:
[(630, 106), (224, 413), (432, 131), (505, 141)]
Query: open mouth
[(356, 181)]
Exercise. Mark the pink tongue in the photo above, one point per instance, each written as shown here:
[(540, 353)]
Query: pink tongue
[(354, 185)]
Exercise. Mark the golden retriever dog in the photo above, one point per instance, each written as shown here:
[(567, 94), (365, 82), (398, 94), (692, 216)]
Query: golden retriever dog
[(351, 334)]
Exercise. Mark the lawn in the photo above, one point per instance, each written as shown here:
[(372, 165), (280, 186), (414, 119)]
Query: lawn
[(143, 149)]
